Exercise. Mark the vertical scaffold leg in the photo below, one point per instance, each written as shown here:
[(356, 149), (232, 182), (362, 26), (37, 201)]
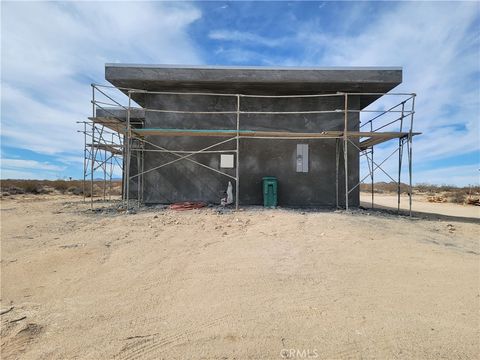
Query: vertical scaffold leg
[(92, 160), (345, 150), (128, 153), (337, 161), (237, 160)]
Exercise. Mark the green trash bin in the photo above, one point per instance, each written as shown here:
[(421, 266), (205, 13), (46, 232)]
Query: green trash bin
[(270, 186)]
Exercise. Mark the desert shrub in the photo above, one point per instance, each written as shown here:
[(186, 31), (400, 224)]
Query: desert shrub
[(458, 197), (75, 190), (41, 186), (30, 186), (424, 188), (451, 193), (60, 185), (43, 190), (116, 188), (384, 187), (34, 186), (431, 189), (12, 190)]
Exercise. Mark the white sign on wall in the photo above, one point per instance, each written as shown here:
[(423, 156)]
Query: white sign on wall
[(226, 161)]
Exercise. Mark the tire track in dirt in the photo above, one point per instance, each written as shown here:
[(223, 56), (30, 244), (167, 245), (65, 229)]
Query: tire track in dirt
[(147, 347), (18, 343)]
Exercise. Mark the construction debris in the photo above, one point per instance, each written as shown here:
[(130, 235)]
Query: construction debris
[(436, 199), (473, 201)]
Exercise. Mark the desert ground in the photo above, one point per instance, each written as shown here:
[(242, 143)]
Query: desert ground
[(253, 284)]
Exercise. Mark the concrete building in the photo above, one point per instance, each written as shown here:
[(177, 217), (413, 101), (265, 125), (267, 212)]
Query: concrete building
[(203, 102)]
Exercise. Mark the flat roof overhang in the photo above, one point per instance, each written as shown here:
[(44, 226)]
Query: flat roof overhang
[(255, 80)]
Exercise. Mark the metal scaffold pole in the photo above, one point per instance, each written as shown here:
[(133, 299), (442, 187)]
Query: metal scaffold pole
[(372, 174), (128, 151), (410, 155), (345, 150), (337, 161), (104, 175), (237, 160), (84, 158), (142, 168), (139, 180), (400, 156), (92, 164), (124, 163), (111, 174)]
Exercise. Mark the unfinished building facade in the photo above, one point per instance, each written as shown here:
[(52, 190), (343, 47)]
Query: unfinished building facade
[(186, 131)]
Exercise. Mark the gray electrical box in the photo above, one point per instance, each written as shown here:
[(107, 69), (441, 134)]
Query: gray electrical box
[(302, 158)]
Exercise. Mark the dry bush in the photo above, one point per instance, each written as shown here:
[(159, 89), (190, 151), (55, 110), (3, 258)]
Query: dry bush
[(473, 200), (458, 197), (435, 193), (75, 190), (429, 188), (30, 186), (75, 187), (13, 190), (384, 187), (61, 185)]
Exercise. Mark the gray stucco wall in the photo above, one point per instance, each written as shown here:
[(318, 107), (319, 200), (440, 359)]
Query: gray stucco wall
[(185, 181)]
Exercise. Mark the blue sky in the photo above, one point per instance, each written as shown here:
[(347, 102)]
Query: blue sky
[(52, 51)]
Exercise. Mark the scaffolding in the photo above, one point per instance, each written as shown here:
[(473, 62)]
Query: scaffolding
[(103, 148), (115, 135)]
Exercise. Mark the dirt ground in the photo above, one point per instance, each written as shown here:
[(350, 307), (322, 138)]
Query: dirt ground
[(254, 284), (421, 206)]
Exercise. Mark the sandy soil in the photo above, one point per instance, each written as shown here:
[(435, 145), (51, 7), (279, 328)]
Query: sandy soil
[(420, 206), (248, 285)]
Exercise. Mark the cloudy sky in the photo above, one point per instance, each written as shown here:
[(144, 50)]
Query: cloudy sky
[(52, 51)]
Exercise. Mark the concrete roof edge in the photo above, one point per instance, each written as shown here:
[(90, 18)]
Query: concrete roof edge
[(221, 67)]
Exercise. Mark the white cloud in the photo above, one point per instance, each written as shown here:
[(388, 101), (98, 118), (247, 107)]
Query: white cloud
[(29, 164), (458, 175), (246, 37), (51, 51), (438, 45), (236, 55), (71, 159), (28, 169), (30, 123)]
